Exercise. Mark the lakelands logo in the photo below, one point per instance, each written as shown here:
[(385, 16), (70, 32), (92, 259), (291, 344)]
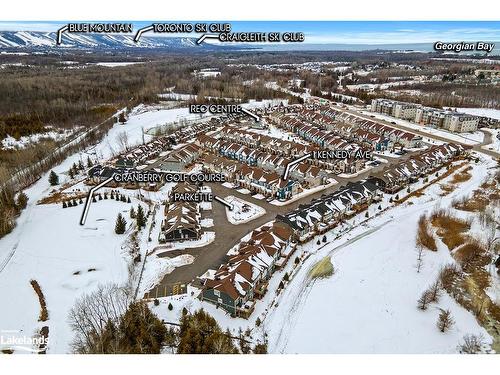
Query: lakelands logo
[(16, 341)]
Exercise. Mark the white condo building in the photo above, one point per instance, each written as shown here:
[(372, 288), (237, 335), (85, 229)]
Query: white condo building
[(438, 118)]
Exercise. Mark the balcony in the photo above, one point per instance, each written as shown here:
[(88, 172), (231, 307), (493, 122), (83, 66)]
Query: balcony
[(261, 290), (246, 310)]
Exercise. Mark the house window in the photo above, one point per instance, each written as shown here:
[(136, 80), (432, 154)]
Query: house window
[(217, 293)]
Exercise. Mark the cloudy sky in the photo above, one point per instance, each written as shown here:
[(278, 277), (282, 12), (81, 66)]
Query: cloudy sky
[(344, 32)]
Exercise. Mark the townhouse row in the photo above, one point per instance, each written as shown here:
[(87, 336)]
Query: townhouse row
[(182, 219), (324, 213), (309, 174), (159, 147), (396, 177), (379, 136), (254, 179), (244, 277), (252, 149), (340, 130)]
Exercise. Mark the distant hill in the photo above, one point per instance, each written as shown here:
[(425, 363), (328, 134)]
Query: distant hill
[(44, 40)]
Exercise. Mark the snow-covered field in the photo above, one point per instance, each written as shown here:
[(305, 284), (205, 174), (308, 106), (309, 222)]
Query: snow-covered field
[(486, 112), (242, 211), (117, 63), (67, 259), (276, 132), (10, 143)]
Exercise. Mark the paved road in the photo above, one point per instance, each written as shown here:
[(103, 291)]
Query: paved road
[(227, 235)]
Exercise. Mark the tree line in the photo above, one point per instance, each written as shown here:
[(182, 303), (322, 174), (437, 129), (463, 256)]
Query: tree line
[(109, 321)]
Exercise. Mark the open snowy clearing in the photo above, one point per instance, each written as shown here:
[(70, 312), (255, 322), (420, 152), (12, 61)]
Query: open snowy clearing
[(156, 268), (486, 112), (242, 211)]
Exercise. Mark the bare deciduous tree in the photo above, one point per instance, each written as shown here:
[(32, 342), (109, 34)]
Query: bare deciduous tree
[(93, 311), (472, 344), (420, 258)]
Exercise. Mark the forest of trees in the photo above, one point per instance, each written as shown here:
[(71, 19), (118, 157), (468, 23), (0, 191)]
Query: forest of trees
[(109, 321)]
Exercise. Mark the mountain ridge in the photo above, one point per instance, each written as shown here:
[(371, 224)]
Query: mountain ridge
[(44, 40)]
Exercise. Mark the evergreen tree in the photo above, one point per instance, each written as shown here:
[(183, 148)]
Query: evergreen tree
[(137, 331), (71, 173), (64, 204), (22, 200), (128, 200), (200, 333), (170, 307), (141, 331), (141, 219), (260, 349), (121, 224), (121, 118), (89, 162), (132, 213), (80, 166), (53, 178)]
